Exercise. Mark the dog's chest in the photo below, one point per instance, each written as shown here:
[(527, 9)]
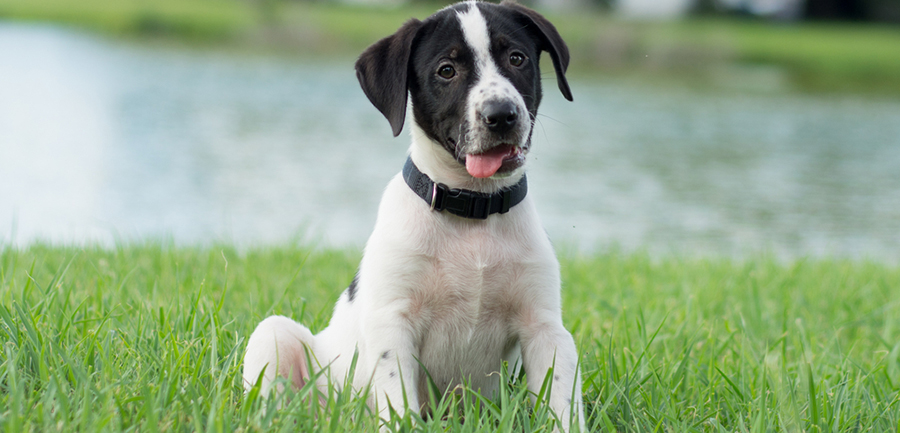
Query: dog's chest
[(470, 278), (464, 289), (467, 303)]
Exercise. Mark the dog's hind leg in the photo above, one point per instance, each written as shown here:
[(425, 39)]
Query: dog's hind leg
[(279, 346)]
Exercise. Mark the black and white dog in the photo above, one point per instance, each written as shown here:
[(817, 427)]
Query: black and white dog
[(458, 275)]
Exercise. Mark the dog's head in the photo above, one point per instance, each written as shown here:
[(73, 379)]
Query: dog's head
[(472, 70)]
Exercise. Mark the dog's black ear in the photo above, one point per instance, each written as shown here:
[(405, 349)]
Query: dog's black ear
[(382, 70), (551, 42)]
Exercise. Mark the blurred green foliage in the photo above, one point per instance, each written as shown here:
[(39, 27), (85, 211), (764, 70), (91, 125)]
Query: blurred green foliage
[(811, 56), (202, 19)]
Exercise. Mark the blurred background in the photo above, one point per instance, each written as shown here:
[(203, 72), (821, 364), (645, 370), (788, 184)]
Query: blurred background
[(699, 127)]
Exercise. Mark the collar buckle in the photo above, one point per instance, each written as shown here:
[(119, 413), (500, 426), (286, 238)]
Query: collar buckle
[(460, 202)]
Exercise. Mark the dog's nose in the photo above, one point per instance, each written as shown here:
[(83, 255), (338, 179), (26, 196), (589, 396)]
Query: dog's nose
[(499, 116)]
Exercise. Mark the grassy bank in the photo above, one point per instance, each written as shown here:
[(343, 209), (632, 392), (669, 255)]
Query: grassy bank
[(812, 57), (150, 338)]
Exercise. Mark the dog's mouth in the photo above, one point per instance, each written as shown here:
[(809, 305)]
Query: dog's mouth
[(502, 158)]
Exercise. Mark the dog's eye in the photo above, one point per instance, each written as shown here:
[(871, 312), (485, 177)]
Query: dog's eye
[(516, 59), (447, 71)]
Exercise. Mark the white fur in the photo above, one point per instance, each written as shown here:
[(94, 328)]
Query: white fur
[(458, 295), (491, 84)]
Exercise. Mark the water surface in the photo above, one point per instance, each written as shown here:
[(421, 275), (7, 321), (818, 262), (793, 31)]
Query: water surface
[(108, 141)]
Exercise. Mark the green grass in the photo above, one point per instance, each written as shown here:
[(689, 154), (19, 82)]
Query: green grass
[(810, 57), (150, 338)]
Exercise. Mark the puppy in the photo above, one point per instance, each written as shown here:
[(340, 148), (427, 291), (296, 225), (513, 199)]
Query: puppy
[(458, 275)]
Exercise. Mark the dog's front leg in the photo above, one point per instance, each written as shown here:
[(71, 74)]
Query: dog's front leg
[(547, 344), (391, 355)]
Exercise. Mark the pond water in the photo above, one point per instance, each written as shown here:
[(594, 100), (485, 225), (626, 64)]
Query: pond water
[(108, 141)]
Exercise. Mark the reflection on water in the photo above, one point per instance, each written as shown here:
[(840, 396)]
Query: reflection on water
[(103, 140)]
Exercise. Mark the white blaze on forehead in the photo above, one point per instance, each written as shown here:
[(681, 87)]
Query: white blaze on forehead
[(491, 85), (475, 31)]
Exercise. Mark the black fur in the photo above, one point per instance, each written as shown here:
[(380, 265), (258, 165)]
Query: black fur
[(382, 73), (408, 61), (439, 104), (552, 43), (351, 290)]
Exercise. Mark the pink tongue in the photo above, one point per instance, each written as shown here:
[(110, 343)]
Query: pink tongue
[(485, 164)]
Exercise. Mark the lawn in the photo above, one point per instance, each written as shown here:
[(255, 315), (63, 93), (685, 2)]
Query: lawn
[(149, 337)]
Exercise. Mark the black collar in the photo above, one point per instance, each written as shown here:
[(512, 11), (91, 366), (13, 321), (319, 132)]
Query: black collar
[(462, 202)]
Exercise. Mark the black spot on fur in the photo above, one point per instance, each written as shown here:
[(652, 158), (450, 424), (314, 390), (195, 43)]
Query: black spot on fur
[(351, 290), (386, 354), (393, 374), (555, 377)]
